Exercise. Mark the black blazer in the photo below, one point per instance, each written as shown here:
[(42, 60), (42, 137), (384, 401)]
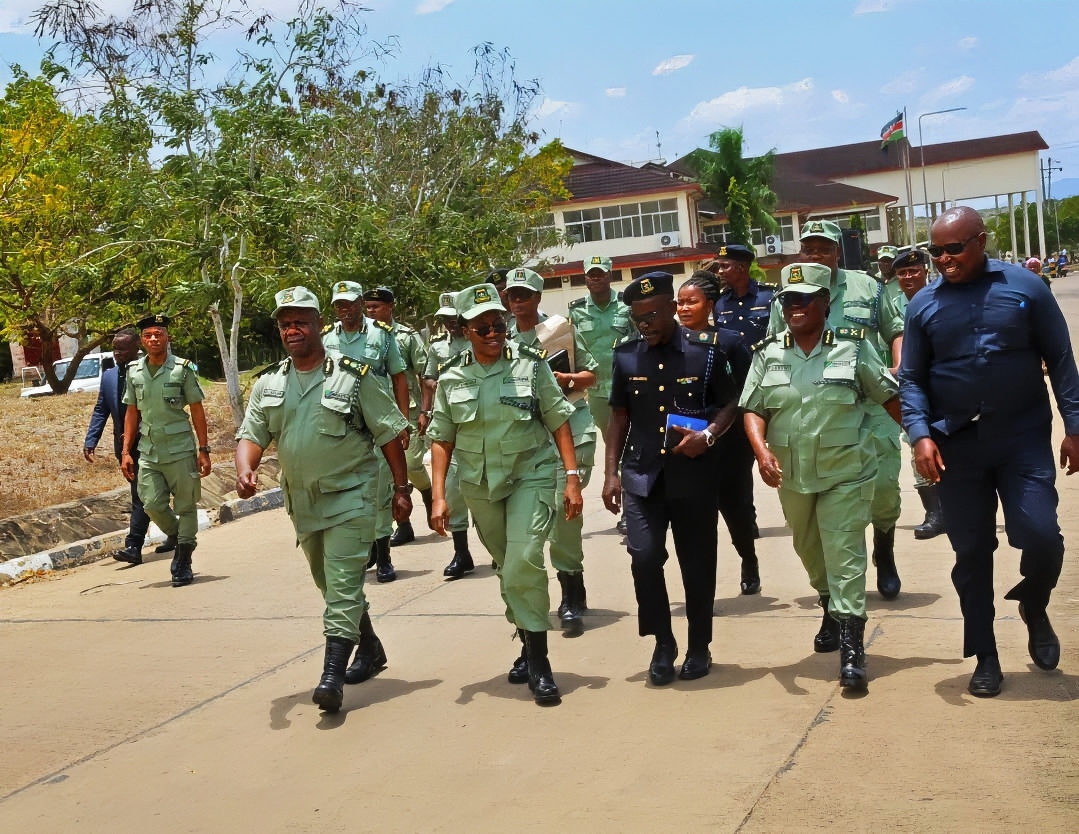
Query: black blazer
[(109, 404)]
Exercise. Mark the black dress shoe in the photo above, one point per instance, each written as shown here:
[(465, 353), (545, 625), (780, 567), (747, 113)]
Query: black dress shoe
[(661, 669), (404, 534), (621, 526), (132, 555), (987, 678), (1042, 643), (370, 659), (696, 664), (519, 669), (166, 546), (751, 576)]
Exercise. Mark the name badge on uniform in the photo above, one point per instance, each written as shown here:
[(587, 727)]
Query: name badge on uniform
[(638, 379)]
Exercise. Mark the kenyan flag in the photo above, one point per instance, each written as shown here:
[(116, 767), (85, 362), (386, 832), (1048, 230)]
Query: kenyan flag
[(893, 131)]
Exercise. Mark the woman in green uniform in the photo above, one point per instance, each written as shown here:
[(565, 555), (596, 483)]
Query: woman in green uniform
[(496, 409), (806, 418)]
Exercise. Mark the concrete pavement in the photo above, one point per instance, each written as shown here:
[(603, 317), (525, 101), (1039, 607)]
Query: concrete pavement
[(129, 705)]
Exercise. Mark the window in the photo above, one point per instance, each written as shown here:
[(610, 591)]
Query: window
[(628, 220), (786, 227), (716, 233), (552, 284), (543, 231), (583, 226), (758, 236), (870, 219), (673, 269), (872, 222)]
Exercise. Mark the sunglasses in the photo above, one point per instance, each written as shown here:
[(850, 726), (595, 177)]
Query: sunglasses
[(798, 299), (950, 248), (644, 321), (484, 330)]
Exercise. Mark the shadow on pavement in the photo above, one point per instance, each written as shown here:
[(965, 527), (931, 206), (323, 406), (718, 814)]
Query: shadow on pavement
[(200, 579), (373, 691), (903, 602), (404, 573), (742, 604), (1031, 685), (499, 687), (595, 619)]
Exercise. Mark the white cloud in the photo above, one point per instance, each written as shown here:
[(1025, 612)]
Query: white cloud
[(967, 43), (873, 6), (903, 84), (1068, 72), (550, 106), (840, 96), (950, 89), (671, 64), (616, 92), (735, 103), (431, 6)]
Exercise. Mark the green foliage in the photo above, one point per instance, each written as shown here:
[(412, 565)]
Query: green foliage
[(740, 187)]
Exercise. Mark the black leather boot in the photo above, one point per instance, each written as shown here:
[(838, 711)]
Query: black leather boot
[(462, 558), (331, 689), (934, 516), (386, 573), (166, 546), (852, 654), (132, 555), (540, 676), (370, 656), (372, 556), (181, 570), (888, 581), (519, 669), (751, 574), (827, 639), (425, 494), (569, 611), (404, 534)]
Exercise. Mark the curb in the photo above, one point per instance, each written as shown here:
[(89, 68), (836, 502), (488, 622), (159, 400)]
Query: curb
[(101, 547)]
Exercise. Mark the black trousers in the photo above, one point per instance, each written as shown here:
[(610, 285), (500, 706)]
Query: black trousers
[(1020, 470), (734, 486), (692, 518), (140, 521)]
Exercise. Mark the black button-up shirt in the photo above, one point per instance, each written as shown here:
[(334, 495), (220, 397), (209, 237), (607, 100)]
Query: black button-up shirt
[(747, 315), (690, 375), (974, 352)]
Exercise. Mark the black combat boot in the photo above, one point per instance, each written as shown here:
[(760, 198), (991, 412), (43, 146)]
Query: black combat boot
[(519, 669), (404, 534), (132, 555), (166, 546), (852, 654), (827, 639), (540, 676), (425, 494), (370, 656), (331, 689), (934, 516), (386, 573), (569, 611), (181, 570), (372, 556), (462, 558), (888, 582), (751, 574)]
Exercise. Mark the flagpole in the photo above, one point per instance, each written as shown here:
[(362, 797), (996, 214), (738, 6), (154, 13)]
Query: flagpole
[(910, 193)]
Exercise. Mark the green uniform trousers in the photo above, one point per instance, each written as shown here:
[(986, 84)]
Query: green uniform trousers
[(384, 498), (455, 502), (919, 481), (567, 546), (829, 538), (417, 472), (180, 482), (338, 557), (601, 413), (514, 530), (889, 452)]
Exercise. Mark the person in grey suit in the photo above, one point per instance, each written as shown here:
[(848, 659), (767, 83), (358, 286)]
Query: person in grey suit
[(125, 349)]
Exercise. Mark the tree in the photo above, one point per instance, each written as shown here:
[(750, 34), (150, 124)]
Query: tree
[(740, 187), (71, 263)]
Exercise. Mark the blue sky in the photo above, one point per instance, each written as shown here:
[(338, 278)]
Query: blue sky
[(795, 75)]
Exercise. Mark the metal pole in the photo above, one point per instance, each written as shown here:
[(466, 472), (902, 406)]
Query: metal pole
[(1026, 228), (921, 145), (1011, 226)]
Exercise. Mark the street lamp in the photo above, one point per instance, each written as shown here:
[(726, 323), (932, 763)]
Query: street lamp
[(921, 145)]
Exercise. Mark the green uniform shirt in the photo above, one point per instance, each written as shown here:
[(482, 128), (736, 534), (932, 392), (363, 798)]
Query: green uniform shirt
[(373, 344), (441, 351), (328, 424), (815, 406), (600, 328), (414, 354), (499, 417), (160, 396)]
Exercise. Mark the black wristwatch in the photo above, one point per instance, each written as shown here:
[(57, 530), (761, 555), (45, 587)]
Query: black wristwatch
[(205, 449), (406, 489)]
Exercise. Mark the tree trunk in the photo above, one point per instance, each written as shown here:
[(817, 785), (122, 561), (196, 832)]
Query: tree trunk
[(58, 385), (230, 366)]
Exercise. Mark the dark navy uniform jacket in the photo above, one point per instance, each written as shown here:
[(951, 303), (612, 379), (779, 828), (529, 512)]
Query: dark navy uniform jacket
[(109, 405), (690, 375), (747, 315), (973, 352)]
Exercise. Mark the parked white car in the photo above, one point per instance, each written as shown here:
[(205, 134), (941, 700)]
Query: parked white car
[(87, 377)]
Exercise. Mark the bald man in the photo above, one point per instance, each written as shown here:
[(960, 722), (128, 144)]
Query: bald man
[(977, 411)]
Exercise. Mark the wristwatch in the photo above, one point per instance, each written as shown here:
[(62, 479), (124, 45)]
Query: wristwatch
[(709, 438), (572, 472), (204, 449), (406, 489), (571, 384)]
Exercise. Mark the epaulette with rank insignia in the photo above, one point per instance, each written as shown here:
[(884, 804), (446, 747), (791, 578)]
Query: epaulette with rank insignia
[(453, 360), (788, 340), (441, 337), (577, 302), (404, 328), (702, 337), (532, 352), (763, 343), (387, 327), (855, 333), (357, 369), (327, 329)]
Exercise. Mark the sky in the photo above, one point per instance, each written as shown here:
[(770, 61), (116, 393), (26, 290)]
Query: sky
[(793, 75)]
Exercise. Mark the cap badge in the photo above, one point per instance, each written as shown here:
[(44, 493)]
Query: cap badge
[(796, 275), (597, 260), (646, 286), (287, 297), (342, 287), (519, 274), (816, 226), (481, 295), (160, 319), (722, 251)]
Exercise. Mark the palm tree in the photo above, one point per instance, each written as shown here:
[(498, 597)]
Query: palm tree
[(740, 187)]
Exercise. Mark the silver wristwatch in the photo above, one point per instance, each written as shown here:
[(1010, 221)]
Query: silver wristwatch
[(709, 438)]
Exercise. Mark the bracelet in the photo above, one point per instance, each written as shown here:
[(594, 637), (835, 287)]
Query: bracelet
[(572, 472), (205, 449)]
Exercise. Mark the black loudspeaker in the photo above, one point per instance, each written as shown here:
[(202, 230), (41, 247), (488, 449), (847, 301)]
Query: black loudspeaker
[(850, 252)]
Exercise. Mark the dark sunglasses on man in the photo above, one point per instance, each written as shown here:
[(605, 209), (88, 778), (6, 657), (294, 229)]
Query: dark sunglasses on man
[(951, 248), (483, 330)]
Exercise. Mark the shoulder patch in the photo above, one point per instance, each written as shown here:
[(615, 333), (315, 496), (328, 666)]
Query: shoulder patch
[(625, 340), (701, 337), (855, 333), (357, 369), (327, 329), (441, 337), (763, 343), (531, 352), (387, 327), (404, 328), (453, 360), (577, 303)]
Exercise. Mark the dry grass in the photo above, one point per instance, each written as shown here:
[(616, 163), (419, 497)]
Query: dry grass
[(41, 461)]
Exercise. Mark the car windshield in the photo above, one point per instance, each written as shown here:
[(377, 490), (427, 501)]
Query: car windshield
[(89, 368)]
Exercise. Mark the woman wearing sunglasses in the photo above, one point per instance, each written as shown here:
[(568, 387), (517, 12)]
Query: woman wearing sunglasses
[(697, 298), (806, 419), (497, 407)]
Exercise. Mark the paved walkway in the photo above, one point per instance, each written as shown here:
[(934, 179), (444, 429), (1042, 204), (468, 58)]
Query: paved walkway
[(132, 706)]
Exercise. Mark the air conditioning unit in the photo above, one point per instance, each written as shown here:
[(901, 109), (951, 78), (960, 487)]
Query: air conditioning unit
[(773, 245), (669, 240)]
